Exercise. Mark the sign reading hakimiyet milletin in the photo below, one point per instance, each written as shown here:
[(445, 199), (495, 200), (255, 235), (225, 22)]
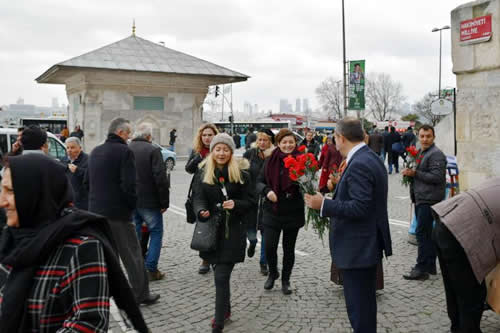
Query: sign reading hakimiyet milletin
[(476, 30)]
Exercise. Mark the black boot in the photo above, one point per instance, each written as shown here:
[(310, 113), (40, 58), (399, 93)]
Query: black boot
[(285, 287), (251, 250), (270, 281), (263, 269), (217, 329)]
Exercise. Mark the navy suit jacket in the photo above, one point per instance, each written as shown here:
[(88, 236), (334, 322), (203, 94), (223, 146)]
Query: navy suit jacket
[(359, 224)]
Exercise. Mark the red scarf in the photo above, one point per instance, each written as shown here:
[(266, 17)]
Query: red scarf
[(204, 152)]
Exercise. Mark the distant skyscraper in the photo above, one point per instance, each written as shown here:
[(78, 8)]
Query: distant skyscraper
[(305, 106), (297, 106), (256, 109), (284, 105)]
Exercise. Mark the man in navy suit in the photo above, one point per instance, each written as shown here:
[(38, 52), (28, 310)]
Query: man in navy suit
[(359, 225)]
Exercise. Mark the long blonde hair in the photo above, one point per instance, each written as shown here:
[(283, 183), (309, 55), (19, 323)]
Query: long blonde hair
[(197, 142), (234, 168)]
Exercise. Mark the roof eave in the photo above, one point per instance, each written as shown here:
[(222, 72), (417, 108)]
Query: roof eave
[(48, 75)]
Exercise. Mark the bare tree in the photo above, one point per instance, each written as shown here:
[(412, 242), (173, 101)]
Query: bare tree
[(331, 97), (384, 97), (423, 109)]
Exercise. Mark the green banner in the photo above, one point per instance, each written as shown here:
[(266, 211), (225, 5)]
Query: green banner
[(357, 85)]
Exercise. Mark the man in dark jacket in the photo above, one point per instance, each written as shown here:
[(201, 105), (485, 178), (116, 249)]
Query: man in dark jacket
[(428, 188), (77, 132), (359, 227), (173, 137), (409, 138), (376, 143), (111, 179), (76, 167), (152, 193), (311, 145), (237, 140), (393, 155), (250, 138)]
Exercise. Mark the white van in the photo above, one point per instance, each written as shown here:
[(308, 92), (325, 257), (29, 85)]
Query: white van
[(8, 136)]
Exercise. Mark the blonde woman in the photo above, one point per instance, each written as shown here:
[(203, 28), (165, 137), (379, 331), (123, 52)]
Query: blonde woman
[(224, 184), (261, 150), (201, 148)]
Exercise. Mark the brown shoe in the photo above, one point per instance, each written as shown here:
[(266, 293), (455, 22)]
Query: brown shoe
[(155, 276)]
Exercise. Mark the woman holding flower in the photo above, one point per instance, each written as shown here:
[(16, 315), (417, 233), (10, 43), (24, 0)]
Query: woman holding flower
[(283, 209), (224, 184)]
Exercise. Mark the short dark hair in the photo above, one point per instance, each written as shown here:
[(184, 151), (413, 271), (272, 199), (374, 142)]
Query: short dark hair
[(427, 127), (33, 138), (393, 129), (20, 129), (283, 133), (386, 128), (351, 129), (409, 128)]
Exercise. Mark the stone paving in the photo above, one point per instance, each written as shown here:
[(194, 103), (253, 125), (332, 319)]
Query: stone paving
[(317, 305)]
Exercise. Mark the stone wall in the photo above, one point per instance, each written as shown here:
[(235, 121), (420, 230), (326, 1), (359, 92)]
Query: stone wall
[(477, 67), (96, 97)]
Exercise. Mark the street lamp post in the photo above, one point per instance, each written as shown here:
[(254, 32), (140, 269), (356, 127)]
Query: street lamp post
[(440, 46), (344, 61)]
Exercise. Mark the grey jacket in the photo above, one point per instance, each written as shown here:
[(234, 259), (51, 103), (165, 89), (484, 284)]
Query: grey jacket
[(429, 183), (473, 217)]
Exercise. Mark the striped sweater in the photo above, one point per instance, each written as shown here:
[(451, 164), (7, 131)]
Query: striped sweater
[(70, 292)]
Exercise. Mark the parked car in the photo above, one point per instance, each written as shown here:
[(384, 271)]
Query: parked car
[(8, 136), (169, 157)]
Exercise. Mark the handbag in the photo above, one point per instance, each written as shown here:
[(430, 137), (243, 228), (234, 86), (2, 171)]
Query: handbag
[(190, 215), (205, 234)]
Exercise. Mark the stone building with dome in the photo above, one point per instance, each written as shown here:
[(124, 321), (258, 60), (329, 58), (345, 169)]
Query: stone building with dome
[(141, 81)]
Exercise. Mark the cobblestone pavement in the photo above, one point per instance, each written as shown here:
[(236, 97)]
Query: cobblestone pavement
[(317, 305)]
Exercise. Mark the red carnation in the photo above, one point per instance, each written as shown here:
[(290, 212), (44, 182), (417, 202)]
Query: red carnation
[(301, 148), (290, 162), (293, 175), (221, 180)]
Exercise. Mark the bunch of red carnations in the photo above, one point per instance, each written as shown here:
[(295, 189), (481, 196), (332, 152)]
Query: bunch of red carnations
[(303, 170), (411, 161)]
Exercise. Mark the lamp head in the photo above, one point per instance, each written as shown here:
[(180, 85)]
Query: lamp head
[(435, 29)]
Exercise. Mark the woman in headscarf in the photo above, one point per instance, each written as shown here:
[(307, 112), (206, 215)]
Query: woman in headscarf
[(58, 266), (225, 184), (201, 149), (283, 209)]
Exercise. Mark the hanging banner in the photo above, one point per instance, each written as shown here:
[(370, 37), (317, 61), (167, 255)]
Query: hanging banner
[(357, 85)]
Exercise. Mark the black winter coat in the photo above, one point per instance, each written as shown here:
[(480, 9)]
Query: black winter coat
[(290, 214), (313, 147), (80, 192), (256, 164), (152, 182), (206, 197), (111, 179)]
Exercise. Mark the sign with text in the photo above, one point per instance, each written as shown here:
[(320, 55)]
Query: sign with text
[(357, 85), (476, 30)]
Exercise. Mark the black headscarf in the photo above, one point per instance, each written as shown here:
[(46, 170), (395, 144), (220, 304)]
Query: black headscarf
[(42, 195)]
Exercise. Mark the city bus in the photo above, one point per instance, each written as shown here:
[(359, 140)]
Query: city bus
[(51, 124), (242, 127)]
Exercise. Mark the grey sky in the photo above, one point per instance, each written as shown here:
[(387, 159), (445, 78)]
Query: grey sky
[(287, 47)]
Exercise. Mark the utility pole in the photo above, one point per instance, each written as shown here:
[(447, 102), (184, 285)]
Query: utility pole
[(344, 62), (222, 116)]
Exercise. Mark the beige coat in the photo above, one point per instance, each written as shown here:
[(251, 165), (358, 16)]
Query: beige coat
[(473, 217)]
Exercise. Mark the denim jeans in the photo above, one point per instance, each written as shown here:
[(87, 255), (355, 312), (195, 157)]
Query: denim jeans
[(252, 238), (154, 220)]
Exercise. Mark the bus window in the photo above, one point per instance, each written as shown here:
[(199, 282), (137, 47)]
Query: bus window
[(3, 144)]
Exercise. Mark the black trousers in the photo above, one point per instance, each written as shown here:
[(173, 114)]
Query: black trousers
[(465, 297), (360, 298), (222, 276), (271, 246), (426, 258)]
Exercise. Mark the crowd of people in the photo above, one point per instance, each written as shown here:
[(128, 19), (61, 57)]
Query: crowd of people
[(69, 223)]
